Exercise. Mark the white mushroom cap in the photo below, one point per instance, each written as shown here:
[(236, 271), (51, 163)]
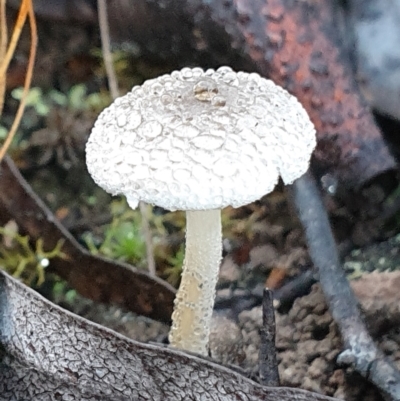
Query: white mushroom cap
[(196, 140)]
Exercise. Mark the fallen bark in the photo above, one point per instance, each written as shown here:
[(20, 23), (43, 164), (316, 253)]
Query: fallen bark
[(49, 354)]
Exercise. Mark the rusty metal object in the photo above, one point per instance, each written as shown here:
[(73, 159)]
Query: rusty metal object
[(94, 277)]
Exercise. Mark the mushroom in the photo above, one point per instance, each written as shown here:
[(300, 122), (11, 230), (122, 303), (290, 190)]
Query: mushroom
[(199, 141)]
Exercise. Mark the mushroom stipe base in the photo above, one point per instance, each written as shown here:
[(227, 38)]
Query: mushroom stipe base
[(191, 320)]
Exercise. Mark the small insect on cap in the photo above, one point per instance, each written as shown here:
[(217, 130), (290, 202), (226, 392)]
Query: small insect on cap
[(197, 140)]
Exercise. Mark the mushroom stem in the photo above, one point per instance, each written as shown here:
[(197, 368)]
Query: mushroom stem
[(194, 301)]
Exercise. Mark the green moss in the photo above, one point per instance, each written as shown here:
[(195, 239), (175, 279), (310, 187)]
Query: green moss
[(22, 260), (122, 237)]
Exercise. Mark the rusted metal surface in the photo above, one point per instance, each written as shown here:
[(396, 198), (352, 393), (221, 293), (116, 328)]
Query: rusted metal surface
[(94, 277)]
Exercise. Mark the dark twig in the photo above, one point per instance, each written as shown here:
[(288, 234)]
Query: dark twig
[(269, 375), (360, 351), (295, 288)]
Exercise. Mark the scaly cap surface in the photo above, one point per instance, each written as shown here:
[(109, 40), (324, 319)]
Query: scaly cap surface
[(196, 140)]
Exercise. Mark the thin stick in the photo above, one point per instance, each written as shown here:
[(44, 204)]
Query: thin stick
[(113, 85), (269, 374), (105, 45), (360, 351), (19, 24), (3, 49), (3, 29), (298, 287), (151, 265), (28, 8)]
